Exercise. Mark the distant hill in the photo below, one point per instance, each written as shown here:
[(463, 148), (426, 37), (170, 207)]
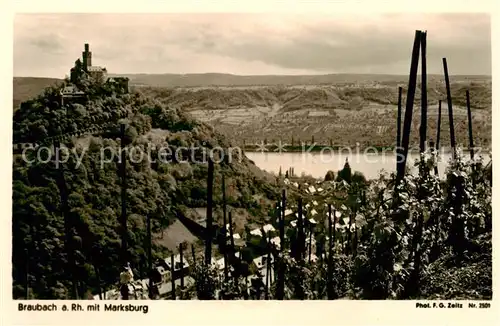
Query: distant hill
[(344, 114), (26, 88), (216, 79), (325, 107)]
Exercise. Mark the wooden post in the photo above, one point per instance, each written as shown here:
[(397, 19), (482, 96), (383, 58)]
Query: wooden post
[(300, 231), (208, 240), (412, 83), (26, 251), (330, 252), (268, 261), (123, 166), (224, 202), (348, 235), (224, 229), (450, 107), (436, 172), (281, 268), (282, 221), (193, 255), (469, 115), (231, 235), (334, 222), (310, 242), (246, 294), (355, 240), (398, 126), (173, 275), (182, 264), (423, 100), (226, 271), (150, 255), (438, 126), (276, 265)]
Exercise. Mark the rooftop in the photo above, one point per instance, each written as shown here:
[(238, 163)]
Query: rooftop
[(166, 287), (95, 68), (276, 241), (256, 232), (177, 262), (268, 228), (71, 91), (261, 261)]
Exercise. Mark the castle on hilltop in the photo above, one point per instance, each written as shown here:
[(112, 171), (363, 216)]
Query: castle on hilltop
[(96, 72), (83, 69)]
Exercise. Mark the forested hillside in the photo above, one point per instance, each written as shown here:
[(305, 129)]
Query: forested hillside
[(158, 190)]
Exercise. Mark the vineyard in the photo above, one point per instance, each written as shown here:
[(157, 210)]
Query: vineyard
[(401, 237), (329, 115), (355, 240), (87, 232)]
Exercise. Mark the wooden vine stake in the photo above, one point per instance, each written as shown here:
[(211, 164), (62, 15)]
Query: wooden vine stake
[(409, 108), (423, 100), (450, 107), (330, 253), (208, 236), (469, 116)]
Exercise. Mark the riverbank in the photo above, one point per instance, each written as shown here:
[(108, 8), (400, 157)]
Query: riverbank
[(317, 164), (309, 148)]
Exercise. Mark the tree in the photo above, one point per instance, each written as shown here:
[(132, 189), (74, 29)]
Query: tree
[(358, 178), (77, 73), (345, 174), (330, 176)]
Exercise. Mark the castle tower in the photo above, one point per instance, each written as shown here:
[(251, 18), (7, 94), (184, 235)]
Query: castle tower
[(87, 57)]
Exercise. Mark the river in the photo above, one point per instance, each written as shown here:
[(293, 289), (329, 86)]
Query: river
[(317, 164)]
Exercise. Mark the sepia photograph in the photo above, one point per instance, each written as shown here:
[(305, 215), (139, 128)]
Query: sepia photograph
[(252, 156)]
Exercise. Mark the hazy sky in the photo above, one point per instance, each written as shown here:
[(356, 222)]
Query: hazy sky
[(249, 44)]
